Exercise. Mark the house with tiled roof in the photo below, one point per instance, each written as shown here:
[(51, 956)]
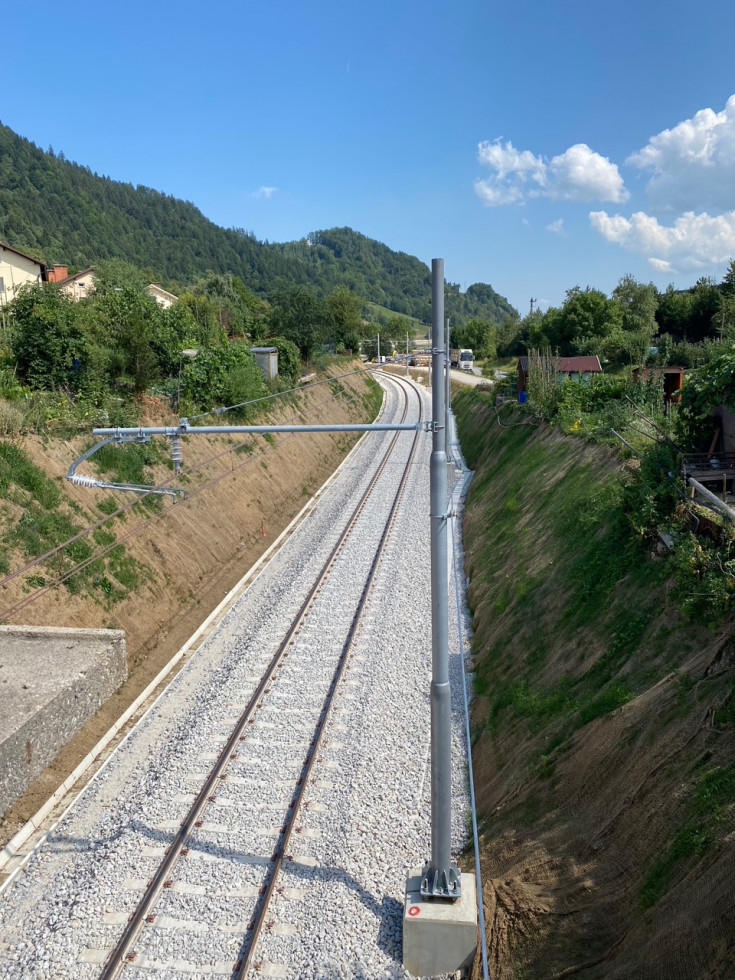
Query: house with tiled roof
[(161, 295), (79, 285)]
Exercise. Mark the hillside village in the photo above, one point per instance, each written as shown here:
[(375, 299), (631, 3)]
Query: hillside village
[(18, 269)]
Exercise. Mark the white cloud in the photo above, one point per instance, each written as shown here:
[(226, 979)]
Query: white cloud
[(578, 174), (266, 192), (660, 265), (494, 195), (693, 241), (556, 227), (693, 164), (506, 160)]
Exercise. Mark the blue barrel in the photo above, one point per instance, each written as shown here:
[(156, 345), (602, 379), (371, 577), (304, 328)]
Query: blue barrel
[(521, 397)]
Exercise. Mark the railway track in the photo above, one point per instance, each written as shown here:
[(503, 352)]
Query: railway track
[(236, 765), (247, 827), (244, 828)]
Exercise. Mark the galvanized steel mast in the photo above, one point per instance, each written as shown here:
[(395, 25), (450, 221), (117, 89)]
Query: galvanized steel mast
[(441, 877)]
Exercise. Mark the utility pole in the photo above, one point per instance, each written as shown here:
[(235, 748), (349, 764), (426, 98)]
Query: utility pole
[(532, 302), (441, 877), (378, 350), (447, 391), (435, 939)]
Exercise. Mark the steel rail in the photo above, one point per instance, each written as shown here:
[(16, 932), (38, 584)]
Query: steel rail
[(123, 952), (256, 924)]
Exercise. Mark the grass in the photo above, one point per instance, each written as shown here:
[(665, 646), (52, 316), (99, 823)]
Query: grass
[(127, 463), (47, 520), (573, 619), (414, 327), (39, 530), (713, 794), (593, 562), (16, 468), (373, 397), (108, 505)]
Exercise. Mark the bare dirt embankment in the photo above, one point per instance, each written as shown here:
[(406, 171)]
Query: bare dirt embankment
[(242, 492), (603, 727)]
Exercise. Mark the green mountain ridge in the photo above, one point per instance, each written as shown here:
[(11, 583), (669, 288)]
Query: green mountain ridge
[(63, 212)]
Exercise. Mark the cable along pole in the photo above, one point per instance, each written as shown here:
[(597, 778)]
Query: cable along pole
[(441, 877)]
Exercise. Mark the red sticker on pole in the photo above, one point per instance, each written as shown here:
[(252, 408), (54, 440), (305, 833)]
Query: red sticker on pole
[(414, 910)]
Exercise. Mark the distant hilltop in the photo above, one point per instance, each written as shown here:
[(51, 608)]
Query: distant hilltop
[(63, 212)]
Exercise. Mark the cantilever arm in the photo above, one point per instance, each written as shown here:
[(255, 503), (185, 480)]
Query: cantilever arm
[(79, 480)]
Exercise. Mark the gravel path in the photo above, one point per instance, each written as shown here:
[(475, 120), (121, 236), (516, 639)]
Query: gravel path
[(338, 911)]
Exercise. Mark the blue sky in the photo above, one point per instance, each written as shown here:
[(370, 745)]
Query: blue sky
[(535, 145)]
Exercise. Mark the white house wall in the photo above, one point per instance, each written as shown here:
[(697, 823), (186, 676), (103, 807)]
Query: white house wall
[(79, 287), (15, 271)]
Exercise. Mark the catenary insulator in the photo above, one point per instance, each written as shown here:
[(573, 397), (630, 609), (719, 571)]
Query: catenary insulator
[(177, 453), (79, 480)]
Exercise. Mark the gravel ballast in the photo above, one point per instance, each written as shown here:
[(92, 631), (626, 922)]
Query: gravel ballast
[(366, 821)]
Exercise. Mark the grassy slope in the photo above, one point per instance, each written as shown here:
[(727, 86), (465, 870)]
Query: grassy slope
[(603, 724)]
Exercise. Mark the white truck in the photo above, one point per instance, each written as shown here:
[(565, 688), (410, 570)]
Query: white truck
[(462, 358)]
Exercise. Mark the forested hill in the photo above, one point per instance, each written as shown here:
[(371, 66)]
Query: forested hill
[(65, 213)]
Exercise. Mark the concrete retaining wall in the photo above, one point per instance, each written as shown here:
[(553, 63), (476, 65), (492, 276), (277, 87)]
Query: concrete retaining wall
[(52, 680)]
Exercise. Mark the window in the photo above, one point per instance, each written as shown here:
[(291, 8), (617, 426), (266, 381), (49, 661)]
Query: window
[(2, 285)]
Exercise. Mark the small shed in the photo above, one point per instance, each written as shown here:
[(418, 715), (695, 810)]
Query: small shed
[(267, 360), (572, 368), (673, 379)]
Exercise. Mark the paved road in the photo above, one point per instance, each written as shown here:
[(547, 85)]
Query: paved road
[(461, 377)]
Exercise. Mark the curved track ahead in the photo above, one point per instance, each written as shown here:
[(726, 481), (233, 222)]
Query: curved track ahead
[(258, 879), (226, 764)]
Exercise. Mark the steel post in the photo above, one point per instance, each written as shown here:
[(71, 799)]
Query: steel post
[(448, 393), (440, 878)]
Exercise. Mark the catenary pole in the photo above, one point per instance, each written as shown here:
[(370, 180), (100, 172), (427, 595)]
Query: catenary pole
[(440, 878), (447, 393)]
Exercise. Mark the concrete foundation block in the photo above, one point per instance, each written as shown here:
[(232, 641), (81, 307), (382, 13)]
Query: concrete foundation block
[(52, 680), (439, 936)]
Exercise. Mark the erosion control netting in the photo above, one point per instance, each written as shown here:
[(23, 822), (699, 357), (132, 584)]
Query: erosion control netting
[(604, 770)]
